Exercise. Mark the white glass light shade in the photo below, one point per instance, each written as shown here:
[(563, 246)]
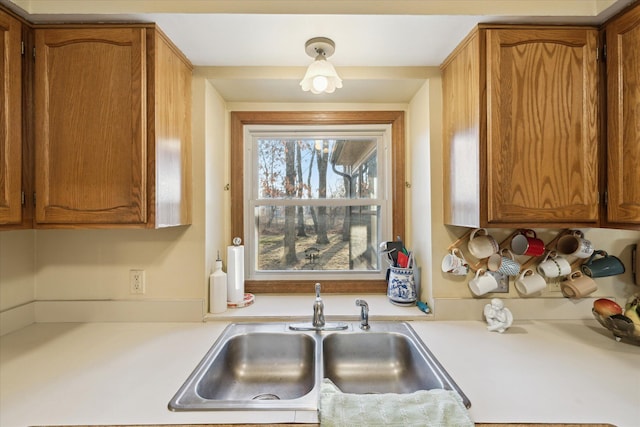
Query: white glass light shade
[(321, 77)]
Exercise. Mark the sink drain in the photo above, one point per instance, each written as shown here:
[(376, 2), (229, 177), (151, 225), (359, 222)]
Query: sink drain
[(266, 396)]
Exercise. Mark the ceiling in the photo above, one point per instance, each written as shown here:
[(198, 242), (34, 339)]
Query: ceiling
[(253, 50)]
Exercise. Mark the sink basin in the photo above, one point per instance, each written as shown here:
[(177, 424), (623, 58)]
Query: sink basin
[(267, 366), (260, 366), (253, 366), (378, 363)]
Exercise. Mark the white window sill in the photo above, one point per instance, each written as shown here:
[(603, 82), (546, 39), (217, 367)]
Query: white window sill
[(272, 307)]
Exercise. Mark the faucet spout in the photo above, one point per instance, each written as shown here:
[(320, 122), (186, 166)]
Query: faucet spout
[(318, 310), (364, 314), (318, 323)]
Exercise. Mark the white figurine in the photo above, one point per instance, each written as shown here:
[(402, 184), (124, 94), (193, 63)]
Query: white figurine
[(499, 318)]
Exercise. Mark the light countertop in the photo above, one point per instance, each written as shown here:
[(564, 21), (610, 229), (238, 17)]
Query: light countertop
[(565, 371)]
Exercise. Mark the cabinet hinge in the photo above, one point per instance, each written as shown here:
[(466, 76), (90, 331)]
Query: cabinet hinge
[(602, 57)]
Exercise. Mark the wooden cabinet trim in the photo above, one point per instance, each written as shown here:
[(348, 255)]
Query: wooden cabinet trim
[(11, 118), (623, 112)]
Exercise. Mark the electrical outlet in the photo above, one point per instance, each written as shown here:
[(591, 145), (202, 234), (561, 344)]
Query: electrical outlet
[(553, 285), (503, 284), (136, 282)]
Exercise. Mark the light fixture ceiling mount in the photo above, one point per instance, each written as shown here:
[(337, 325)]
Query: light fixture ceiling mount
[(320, 46), (320, 76)]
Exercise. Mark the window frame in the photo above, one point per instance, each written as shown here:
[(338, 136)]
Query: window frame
[(239, 119)]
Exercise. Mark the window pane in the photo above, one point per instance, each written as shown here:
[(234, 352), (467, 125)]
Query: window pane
[(330, 238), (291, 168)]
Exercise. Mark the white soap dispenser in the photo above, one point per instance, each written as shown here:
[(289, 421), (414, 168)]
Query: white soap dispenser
[(218, 289)]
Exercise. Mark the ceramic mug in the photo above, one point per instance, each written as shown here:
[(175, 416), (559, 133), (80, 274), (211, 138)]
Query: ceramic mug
[(527, 243), (529, 282), (578, 285), (401, 285), (502, 263), (608, 265), (483, 282), (575, 244), (455, 263), (554, 266), (481, 244)]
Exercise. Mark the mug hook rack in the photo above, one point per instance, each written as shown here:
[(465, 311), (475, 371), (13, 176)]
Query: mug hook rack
[(461, 245)]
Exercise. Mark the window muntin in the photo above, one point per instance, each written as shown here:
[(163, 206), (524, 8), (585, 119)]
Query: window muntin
[(302, 223)]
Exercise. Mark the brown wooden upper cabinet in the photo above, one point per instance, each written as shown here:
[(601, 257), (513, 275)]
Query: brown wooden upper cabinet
[(112, 128), (521, 128), (623, 124), (10, 120)]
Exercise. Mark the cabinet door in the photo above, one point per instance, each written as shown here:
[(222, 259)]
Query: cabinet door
[(171, 134), (462, 114), (623, 129), (542, 126), (91, 149), (10, 120)]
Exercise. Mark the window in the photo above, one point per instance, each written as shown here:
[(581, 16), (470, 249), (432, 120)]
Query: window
[(317, 200), (320, 191)]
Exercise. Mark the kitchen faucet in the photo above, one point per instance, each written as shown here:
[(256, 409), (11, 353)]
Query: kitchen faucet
[(318, 323), (318, 309)]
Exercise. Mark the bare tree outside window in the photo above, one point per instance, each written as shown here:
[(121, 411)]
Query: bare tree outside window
[(308, 234)]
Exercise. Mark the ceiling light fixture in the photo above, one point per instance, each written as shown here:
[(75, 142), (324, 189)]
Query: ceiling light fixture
[(320, 76)]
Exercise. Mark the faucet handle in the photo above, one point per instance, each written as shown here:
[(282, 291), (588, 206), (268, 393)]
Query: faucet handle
[(317, 290), (364, 314)]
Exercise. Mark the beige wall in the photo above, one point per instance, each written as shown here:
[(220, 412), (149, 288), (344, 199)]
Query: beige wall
[(95, 264), (216, 170), (419, 176), (17, 268)]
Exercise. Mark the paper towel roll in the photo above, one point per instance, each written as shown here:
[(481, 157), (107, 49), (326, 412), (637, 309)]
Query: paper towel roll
[(235, 273)]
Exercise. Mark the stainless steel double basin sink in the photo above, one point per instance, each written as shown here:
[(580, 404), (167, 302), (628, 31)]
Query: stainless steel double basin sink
[(267, 366)]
